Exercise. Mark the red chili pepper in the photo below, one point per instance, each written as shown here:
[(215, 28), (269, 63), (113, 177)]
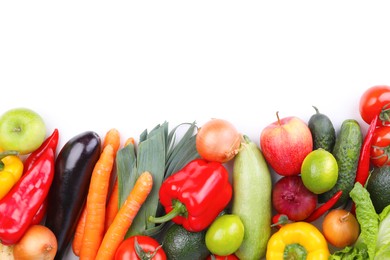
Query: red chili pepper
[(195, 195), (318, 212), (20, 205), (40, 214), (363, 169), (279, 220), (50, 143)]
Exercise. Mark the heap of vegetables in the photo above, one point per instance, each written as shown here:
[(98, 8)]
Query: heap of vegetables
[(167, 197)]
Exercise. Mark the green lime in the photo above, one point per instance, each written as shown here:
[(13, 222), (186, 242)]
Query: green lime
[(319, 171), (225, 235)]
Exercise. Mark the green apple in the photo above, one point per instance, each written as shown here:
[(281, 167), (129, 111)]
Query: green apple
[(22, 130)]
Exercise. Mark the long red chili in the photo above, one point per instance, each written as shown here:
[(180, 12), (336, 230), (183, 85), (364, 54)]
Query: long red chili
[(50, 143), (318, 212), (20, 205), (363, 169)]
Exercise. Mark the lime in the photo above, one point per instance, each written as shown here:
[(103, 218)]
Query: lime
[(319, 171), (225, 235)]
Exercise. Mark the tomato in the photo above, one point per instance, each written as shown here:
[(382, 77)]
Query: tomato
[(217, 257), (380, 146), (372, 103), (225, 235), (127, 250)]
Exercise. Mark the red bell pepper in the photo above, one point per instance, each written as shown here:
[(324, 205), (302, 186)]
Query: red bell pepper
[(20, 205), (194, 196)]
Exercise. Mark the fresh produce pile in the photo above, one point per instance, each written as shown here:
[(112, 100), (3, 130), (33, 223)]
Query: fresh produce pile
[(171, 193)]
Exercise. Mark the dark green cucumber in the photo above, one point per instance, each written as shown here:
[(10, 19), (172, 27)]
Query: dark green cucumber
[(346, 151), (322, 131)]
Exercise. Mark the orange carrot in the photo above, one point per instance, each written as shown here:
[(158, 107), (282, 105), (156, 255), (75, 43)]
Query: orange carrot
[(113, 203), (96, 204), (126, 214), (129, 140), (112, 137), (79, 233)]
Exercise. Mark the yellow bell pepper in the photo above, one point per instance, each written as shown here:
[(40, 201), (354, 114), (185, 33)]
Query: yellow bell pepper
[(11, 169), (297, 241)]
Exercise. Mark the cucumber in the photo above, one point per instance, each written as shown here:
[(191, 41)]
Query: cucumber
[(322, 131), (252, 186), (346, 151)]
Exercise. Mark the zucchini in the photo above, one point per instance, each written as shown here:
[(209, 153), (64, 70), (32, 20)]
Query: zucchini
[(346, 152), (322, 131), (252, 186)]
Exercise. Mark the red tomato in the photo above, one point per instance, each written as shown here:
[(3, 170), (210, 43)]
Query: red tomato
[(127, 249), (380, 146), (217, 257), (373, 101)]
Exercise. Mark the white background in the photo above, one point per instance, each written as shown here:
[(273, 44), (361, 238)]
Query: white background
[(95, 65)]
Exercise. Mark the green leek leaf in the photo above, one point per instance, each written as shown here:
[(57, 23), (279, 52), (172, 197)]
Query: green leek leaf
[(159, 153)]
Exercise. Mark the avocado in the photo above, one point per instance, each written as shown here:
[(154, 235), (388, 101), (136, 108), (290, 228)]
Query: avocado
[(378, 186), (181, 244)]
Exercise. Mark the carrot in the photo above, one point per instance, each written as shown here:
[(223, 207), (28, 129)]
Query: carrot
[(126, 214), (96, 203), (129, 140), (112, 205), (79, 233), (112, 137)]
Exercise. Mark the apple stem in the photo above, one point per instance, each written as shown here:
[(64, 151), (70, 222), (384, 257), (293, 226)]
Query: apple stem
[(277, 116), (17, 129)]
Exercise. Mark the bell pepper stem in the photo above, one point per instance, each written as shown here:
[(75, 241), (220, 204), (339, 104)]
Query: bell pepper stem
[(5, 154), (8, 153), (178, 209)]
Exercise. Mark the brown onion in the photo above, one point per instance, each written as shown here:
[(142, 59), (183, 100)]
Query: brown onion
[(340, 228), (39, 242), (218, 140)]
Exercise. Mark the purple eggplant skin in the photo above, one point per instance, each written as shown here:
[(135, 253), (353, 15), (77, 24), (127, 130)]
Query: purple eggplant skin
[(67, 196)]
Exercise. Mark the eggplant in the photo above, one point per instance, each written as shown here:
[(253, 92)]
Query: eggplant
[(67, 196)]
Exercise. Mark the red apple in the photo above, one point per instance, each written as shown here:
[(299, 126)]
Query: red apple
[(285, 144)]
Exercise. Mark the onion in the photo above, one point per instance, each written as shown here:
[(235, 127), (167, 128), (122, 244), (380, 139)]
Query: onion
[(39, 242), (218, 140), (340, 228)]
